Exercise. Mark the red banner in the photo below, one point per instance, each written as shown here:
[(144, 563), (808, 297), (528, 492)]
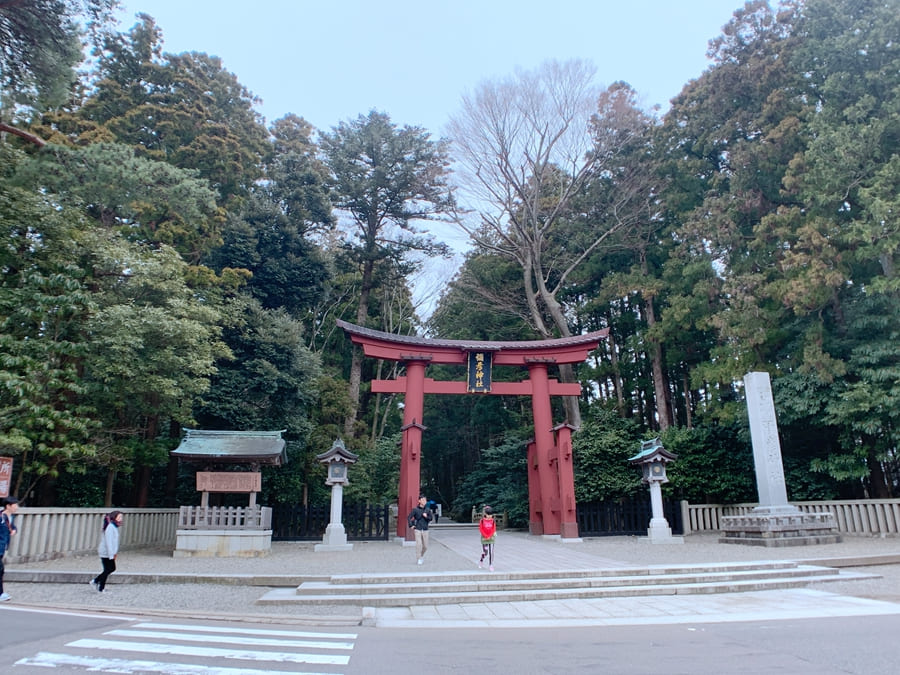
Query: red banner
[(6, 464)]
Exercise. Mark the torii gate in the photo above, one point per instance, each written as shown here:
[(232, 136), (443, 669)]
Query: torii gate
[(551, 480)]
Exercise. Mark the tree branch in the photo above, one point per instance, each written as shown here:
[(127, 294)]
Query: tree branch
[(21, 133)]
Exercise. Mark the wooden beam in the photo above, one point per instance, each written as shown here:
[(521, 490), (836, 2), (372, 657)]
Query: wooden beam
[(432, 386)]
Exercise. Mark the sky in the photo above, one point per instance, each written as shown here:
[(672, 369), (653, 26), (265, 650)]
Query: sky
[(330, 61)]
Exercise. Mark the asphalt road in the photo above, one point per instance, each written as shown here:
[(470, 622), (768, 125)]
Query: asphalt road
[(861, 645), (80, 643)]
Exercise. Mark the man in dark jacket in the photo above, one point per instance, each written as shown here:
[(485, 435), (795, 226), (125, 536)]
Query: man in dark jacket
[(418, 519), (7, 530)]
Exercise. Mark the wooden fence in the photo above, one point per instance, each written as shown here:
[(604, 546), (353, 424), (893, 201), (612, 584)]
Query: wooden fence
[(225, 518)]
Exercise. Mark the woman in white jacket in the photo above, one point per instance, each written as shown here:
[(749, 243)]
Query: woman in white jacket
[(108, 548)]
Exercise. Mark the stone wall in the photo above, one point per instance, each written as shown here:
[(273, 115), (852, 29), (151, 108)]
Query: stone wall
[(47, 533)]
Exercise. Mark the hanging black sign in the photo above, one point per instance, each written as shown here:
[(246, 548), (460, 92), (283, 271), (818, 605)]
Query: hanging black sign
[(479, 372)]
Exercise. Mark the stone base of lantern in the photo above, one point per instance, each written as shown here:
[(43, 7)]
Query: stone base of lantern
[(335, 539), (781, 526), (222, 543), (659, 532)]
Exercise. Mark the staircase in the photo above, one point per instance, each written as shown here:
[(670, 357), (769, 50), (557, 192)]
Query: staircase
[(405, 590)]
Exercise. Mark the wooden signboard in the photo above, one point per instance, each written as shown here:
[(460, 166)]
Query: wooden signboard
[(229, 481)]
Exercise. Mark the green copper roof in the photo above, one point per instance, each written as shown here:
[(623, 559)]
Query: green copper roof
[(652, 448), (233, 447)]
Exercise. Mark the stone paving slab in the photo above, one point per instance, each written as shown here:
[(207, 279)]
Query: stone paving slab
[(755, 606)]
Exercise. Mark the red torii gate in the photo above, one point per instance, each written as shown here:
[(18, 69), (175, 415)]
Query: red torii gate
[(551, 481)]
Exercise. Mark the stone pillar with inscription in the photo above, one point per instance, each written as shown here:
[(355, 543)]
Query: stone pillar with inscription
[(774, 522), (770, 484)]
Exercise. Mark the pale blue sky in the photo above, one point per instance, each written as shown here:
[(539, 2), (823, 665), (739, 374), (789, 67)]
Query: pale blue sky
[(331, 60)]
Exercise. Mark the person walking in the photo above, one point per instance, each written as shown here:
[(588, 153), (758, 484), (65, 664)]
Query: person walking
[(433, 507), (418, 519), (487, 528), (7, 531), (108, 548)]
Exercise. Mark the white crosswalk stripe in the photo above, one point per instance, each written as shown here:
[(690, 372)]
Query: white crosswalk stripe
[(231, 644), (246, 641)]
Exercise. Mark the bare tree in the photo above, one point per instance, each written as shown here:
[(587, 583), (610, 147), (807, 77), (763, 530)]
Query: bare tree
[(527, 147)]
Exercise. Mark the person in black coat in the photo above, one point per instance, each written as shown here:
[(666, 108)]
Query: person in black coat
[(418, 519)]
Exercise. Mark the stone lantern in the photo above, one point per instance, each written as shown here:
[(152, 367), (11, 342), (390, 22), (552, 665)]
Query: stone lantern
[(337, 459), (652, 459)]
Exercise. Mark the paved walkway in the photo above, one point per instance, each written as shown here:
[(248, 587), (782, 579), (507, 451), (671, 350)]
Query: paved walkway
[(227, 587)]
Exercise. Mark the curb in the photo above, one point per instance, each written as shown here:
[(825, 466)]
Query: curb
[(200, 615), (69, 577)]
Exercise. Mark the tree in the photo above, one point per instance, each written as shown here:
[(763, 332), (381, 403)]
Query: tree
[(837, 245), (269, 379), (40, 46), (727, 140), (153, 349), (145, 200), (182, 109), (528, 146), (789, 141), (149, 343), (384, 179), (500, 480), (297, 180), (629, 264), (272, 235), (45, 421), (601, 451)]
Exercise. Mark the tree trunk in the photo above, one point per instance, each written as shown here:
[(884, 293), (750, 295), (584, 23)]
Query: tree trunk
[(880, 488), (362, 312), (688, 412), (171, 496), (566, 370), (141, 486), (616, 373), (110, 483), (660, 384), (376, 413)]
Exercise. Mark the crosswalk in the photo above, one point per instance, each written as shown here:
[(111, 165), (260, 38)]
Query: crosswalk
[(202, 650)]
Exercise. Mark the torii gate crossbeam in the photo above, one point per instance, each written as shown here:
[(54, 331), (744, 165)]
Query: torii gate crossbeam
[(551, 488)]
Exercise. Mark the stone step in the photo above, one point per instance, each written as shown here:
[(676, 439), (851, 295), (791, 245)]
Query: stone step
[(490, 583), (540, 575), (500, 588), (285, 597)]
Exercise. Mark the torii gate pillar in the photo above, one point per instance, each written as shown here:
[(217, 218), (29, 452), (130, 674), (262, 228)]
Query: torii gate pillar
[(548, 497), (565, 471), (411, 444)]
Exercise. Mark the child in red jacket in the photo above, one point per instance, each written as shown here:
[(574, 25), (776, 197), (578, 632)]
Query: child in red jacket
[(488, 530)]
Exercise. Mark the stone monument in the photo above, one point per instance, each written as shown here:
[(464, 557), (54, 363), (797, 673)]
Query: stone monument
[(774, 522)]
